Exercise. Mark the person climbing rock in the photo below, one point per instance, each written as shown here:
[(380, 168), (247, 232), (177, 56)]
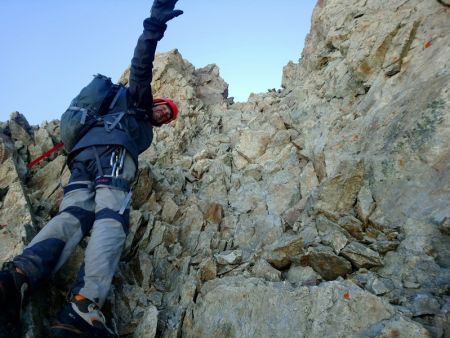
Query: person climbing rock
[(103, 163)]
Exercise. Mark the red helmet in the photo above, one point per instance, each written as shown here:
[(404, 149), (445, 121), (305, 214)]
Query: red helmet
[(172, 105)]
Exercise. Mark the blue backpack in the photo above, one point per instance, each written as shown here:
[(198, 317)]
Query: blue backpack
[(94, 105)]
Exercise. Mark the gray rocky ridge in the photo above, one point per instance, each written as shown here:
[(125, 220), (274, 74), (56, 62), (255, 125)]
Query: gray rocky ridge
[(318, 210)]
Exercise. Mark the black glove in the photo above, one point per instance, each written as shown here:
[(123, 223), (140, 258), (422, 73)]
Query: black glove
[(163, 11)]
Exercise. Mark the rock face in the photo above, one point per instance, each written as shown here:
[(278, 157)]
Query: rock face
[(248, 307), (15, 213), (320, 210)]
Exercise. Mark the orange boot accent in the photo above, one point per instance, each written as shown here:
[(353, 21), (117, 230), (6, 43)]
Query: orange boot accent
[(79, 297)]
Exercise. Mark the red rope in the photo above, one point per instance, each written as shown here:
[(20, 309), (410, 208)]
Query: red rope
[(44, 155)]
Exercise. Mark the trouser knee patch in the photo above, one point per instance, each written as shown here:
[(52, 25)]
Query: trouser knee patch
[(124, 219), (85, 217), (75, 186), (39, 260)]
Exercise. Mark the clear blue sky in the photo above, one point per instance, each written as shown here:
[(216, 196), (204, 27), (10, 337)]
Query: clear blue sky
[(50, 48)]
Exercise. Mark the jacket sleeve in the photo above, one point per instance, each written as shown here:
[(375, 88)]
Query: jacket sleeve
[(139, 90)]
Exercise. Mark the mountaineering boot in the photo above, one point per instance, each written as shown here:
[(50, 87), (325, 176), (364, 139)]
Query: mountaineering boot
[(13, 289), (81, 318)]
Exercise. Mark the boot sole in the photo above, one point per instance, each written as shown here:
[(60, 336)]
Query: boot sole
[(9, 329), (60, 330), (65, 331)]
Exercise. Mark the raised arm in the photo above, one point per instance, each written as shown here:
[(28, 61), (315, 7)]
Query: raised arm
[(140, 93)]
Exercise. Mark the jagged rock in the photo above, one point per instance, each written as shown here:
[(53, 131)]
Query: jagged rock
[(365, 204), (326, 263), (308, 179), (136, 221), (339, 193), (157, 236), (143, 188), (352, 225), (411, 285), (281, 253), (331, 234), (384, 246), (281, 191), (42, 142), (49, 180), (207, 241), (16, 218), (379, 286), (361, 256), (144, 273), (21, 150), (200, 167), (306, 228), (148, 323), (229, 257), (254, 171), (444, 227), (191, 222), (207, 270), (319, 164), (303, 275), (292, 215), (130, 304), (425, 304), (170, 209), (152, 204), (263, 269), (211, 89), (215, 213), (252, 144), (4, 150), (20, 129)]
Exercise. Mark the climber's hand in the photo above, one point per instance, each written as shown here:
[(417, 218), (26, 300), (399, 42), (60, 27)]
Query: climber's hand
[(163, 11)]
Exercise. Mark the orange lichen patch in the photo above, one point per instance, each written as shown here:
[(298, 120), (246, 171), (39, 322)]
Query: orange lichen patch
[(427, 44), (365, 68), (304, 260), (215, 213), (346, 295), (355, 137), (394, 333)]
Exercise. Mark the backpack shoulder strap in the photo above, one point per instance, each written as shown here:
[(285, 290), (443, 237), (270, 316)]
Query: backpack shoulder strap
[(120, 91), (111, 125)]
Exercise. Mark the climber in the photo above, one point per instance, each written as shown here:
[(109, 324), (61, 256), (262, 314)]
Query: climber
[(103, 164)]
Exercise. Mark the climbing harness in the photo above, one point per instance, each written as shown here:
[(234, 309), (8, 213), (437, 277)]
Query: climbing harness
[(117, 160)]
